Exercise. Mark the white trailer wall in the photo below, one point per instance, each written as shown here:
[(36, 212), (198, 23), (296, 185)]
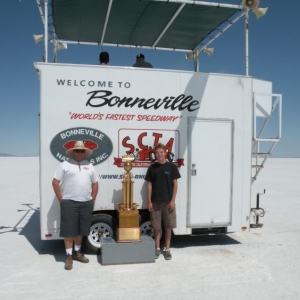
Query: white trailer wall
[(66, 108)]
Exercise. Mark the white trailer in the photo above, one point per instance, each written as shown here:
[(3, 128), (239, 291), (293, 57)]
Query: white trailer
[(209, 123)]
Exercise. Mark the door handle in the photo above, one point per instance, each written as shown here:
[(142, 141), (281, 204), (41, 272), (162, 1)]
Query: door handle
[(194, 171)]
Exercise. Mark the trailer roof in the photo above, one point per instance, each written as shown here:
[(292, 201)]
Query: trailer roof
[(169, 24)]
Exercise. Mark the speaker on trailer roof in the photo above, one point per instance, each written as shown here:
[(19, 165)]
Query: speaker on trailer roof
[(260, 12), (62, 46), (38, 37), (251, 4), (192, 55), (208, 51)]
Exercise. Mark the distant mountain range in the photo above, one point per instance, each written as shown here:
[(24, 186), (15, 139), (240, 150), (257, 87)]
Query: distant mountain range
[(5, 154), (11, 155)]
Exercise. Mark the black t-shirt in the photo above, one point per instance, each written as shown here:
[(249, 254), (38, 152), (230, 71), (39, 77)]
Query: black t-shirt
[(161, 176)]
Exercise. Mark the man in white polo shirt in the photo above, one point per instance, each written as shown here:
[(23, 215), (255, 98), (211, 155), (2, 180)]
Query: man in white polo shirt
[(75, 184)]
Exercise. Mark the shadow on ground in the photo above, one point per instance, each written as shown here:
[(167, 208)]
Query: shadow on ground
[(31, 231), (183, 241)]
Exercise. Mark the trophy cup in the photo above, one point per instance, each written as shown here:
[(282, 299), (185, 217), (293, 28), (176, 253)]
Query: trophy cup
[(128, 214)]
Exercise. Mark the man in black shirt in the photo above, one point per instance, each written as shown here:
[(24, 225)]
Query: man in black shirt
[(141, 63), (162, 189), (104, 58)]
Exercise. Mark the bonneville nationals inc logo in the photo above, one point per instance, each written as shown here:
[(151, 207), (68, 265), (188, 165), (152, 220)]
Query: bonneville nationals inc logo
[(94, 139)]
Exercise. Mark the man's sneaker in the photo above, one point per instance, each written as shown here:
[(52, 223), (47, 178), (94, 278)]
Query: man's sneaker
[(69, 262), (157, 253), (79, 257), (168, 255)]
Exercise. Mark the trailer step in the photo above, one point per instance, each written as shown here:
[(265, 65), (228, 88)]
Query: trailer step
[(261, 154), (206, 231)]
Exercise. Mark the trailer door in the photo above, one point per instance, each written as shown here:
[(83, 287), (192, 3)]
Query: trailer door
[(210, 172)]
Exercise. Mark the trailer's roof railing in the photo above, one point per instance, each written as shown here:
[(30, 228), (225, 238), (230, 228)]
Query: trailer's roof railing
[(178, 25)]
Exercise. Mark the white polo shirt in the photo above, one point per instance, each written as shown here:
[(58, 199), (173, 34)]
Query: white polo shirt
[(76, 180)]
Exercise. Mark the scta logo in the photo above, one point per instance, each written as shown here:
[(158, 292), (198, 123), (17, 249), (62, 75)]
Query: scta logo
[(94, 139), (143, 151), (141, 144)]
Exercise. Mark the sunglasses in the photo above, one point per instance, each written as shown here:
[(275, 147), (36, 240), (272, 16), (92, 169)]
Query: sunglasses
[(79, 151)]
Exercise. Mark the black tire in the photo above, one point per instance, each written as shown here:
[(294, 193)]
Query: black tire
[(102, 225), (145, 225)]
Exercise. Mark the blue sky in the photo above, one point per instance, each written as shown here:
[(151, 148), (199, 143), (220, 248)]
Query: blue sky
[(273, 51)]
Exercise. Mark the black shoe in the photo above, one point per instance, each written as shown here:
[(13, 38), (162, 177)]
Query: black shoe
[(167, 254)]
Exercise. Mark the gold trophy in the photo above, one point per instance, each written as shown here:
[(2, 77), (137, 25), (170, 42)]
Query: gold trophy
[(128, 214)]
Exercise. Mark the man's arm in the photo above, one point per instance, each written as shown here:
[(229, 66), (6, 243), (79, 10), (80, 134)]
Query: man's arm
[(95, 187), (172, 202), (56, 188), (149, 189)]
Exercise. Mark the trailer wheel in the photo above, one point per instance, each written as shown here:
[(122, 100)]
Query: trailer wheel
[(102, 225), (146, 228)]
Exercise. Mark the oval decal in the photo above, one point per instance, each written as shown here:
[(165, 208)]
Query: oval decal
[(94, 139)]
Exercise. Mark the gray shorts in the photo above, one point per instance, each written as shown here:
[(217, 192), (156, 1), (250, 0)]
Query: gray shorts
[(161, 213), (75, 218)]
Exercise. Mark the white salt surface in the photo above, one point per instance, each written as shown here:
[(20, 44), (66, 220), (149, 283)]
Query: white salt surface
[(261, 264)]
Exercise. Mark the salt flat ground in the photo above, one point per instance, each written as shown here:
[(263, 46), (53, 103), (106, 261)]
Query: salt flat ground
[(261, 264)]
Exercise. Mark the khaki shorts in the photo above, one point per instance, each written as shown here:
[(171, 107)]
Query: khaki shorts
[(160, 214)]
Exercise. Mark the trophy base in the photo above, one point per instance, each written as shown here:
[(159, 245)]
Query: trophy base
[(129, 235), (128, 219), (113, 253)]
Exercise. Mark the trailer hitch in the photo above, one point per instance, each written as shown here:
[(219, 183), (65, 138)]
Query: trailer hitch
[(258, 212)]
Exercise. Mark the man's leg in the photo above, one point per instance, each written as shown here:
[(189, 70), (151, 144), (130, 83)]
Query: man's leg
[(156, 225), (85, 210), (167, 252), (157, 238), (168, 234), (157, 243), (69, 248), (169, 219), (77, 254), (68, 242), (78, 240)]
